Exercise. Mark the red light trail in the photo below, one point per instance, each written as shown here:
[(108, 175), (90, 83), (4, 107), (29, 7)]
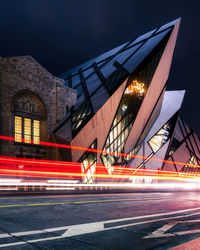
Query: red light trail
[(101, 151), (10, 166), (34, 172)]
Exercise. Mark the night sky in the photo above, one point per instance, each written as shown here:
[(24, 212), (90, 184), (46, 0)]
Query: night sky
[(61, 34)]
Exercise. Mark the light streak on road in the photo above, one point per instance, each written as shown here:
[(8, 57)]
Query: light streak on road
[(17, 173), (101, 151), (63, 171)]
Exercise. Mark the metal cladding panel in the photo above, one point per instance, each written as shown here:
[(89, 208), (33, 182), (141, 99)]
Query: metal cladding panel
[(157, 84), (167, 25), (191, 139), (180, 155), (142, 37), (109, 68), (75, 80), (160, 154), (109, 53), (89, 63), (196, 143), (152, 119), (178, 135), (98, 126), (172, 102), (99, 98), (189, 145), (69, 72), (92, 83), (135, 162), (188, 129), (114, 51), (65, 131), (88, 72), (169, 166), (80, 96), (144, 51)]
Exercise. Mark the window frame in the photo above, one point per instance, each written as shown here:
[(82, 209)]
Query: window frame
[(32, 118)]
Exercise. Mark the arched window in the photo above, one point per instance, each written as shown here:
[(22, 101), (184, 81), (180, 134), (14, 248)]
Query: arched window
[(29, 117)]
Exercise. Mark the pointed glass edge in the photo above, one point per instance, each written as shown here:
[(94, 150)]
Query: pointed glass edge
[(167, 25)]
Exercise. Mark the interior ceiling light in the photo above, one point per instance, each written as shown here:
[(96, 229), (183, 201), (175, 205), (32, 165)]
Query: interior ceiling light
[(135, 87)]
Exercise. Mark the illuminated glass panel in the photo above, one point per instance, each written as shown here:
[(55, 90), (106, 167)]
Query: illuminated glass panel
[(128, 108), (88, 166), (27, 130), (127, 158), (79, 116), (36, 131), (163, 135), (18, 128), (160, 138), (191, 169)]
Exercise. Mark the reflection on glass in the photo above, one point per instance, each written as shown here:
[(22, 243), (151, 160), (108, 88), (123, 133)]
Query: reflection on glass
[(88, 166), (161, 137), (191, 169), (80, 115)]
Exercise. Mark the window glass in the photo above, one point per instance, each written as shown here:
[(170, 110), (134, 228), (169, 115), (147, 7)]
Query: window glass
[(27, 130), (18, 128), (36, 132), (191, 169), (129, 106), (162, 135), (88, 166)]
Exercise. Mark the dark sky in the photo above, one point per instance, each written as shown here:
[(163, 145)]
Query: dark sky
[(61, 34)]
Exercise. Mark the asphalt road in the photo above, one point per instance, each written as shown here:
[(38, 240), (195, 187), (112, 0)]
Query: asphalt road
[(99, 221)]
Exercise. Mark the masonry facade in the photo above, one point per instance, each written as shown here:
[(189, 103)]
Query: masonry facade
[(33, 102)]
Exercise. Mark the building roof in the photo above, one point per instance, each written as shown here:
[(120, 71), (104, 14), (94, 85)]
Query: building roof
[(97, 79)]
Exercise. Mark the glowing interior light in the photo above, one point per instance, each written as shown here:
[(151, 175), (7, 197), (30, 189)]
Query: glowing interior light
[(124, 107), (135, 87)]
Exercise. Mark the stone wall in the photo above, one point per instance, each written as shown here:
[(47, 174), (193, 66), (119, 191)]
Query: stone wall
[(24, 75)]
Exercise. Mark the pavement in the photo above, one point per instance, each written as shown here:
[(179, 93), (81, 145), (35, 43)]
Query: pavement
[(169, 220)]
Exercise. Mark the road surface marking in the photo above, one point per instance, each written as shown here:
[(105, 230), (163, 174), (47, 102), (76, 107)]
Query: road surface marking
[(86, 228), (79, 202), (161, 232)]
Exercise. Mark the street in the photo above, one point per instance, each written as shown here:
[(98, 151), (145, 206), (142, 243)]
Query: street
[(151, 220)]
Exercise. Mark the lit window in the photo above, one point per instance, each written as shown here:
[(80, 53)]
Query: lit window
[(189, 169), (161, 137), (27, 130), (88, 165), (36, 131), (18, 128), (135, 87)]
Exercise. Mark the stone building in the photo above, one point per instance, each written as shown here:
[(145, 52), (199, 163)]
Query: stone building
[(32, 103)]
